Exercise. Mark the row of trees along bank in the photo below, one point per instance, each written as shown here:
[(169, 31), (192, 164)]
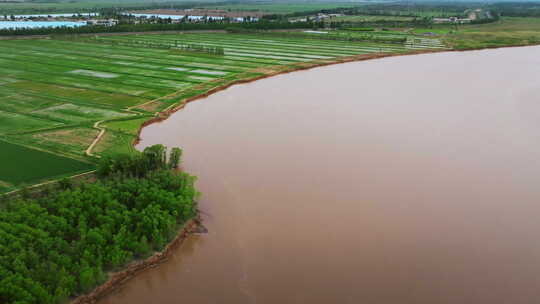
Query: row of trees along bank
[(62, 242), (177, 45)]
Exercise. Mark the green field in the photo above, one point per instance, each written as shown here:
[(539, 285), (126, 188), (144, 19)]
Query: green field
[(74, 6), (369, 18), (507, 31), (22, 165), (58, 94), (281, 7)]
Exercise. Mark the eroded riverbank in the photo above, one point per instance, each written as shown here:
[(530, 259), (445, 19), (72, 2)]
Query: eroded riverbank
[(362, 182), (118, 279)]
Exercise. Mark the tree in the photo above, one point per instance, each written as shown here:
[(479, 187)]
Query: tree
[(174, 158), (61, 243)]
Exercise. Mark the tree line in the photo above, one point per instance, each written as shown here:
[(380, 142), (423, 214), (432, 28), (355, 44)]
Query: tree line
[(176, 45), (364, 37), (62, 242), (416, 22), (149, 27), (517, 9), (115, 6)]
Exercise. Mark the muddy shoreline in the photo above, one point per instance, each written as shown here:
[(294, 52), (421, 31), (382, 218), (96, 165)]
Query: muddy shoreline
[(120, 278), (117, 279), (163, 115)]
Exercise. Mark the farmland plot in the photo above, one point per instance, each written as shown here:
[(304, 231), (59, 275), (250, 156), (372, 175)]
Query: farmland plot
[(56, 95), (27, 165)]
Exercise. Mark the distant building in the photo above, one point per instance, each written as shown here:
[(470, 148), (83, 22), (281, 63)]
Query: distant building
[(102, 22), (451, 20), (320, 17), (479, 14)]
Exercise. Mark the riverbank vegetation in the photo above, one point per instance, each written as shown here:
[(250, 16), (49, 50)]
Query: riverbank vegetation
[(81, 95), (508, 31), (85, 6), (63, 241), (58, 94), (152, 27)]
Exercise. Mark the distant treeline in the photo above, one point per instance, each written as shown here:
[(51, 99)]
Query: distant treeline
[(119, 6), (148, 27), (427, 9), (418, 22), (403, 9), (62, 242), (359, 38), (517, 9), (177, 45)]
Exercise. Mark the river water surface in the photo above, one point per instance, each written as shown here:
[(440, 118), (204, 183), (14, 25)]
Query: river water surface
[(410, 179)]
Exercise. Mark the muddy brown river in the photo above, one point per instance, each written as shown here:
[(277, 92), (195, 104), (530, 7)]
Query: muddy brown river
[(410, 179)]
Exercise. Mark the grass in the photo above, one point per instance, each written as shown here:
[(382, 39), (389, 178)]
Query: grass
[(14, 122), (130, 127), (53, 91), (506, 32), (73, 6), (282, 7), (24, 165), (369, 18), (72, 141), (437, 31)]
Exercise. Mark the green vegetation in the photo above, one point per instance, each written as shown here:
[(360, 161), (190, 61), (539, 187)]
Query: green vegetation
[(347, 35), (56, 94), (63, 242), (370, 18), (25, 165), (152, 27), (175, 45), (81, 6), (282, 7), (71, 6), (508, 31), (126, 126)]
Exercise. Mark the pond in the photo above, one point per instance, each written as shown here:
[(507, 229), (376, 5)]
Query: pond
[(38, 24)]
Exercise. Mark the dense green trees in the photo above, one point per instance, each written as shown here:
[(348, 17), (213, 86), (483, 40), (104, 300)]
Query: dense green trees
[(146, 27), (61, 244), (177, 45)]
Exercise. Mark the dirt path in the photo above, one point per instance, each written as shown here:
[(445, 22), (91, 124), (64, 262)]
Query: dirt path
[(96, 140)]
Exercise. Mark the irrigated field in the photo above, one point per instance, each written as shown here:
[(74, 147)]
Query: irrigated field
[(58, 95), (24, 165)]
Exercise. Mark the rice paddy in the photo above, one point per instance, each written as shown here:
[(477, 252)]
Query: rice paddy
[(58, 94), (28, 165)]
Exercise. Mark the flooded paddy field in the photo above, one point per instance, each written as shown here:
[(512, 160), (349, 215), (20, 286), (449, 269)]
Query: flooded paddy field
[(66, 88), (411, 179)]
